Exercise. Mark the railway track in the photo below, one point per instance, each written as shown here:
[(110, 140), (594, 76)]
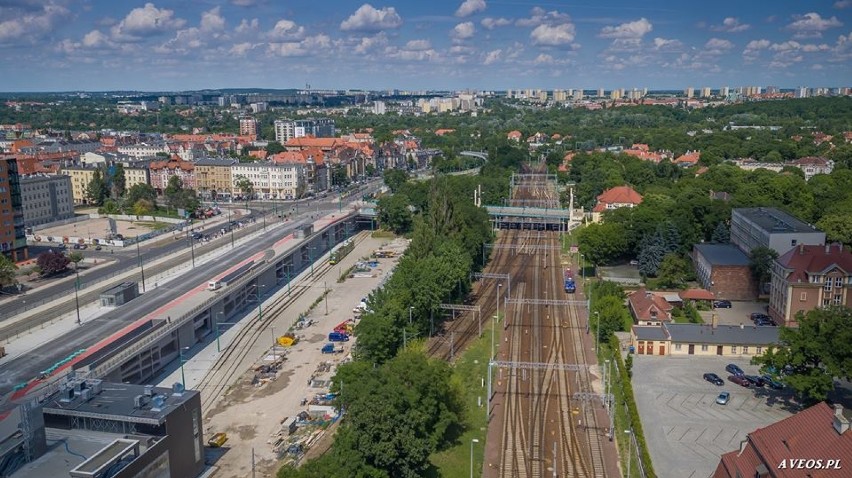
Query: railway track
[(543, 431), (230, 364)]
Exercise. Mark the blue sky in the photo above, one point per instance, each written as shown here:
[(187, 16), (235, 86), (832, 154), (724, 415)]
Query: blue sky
[(49, 45)]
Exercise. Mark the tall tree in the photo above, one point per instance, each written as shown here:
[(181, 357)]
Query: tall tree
[(173, 191), (837, 227), (7, 271), (52, 262), (274, 147), (395, 178), (141, 191), (652, 249), (760, 262), (813, 354), (119, 181), (673, 271), (244, 186), (96, 190), (721, 234)]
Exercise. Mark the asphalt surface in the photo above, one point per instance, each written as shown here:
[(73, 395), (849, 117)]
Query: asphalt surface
[(24, 368)]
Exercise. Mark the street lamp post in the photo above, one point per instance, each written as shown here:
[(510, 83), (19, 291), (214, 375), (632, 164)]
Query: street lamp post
[(498, 298), (410, 308), (192, 246), (182, 373), (76, 297), (598, 331), (141, 266), (472, 441), (629, 451), (493, 326)]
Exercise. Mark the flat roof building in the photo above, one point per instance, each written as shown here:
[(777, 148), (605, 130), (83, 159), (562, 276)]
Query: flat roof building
[(724, 270), (46, 198), (123, 430), (770, 227)]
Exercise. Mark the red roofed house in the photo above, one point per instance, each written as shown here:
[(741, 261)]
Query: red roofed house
[(808, 277), (514, 136), (641, 151), (649, 308), (819, 433), (619, 196), (689, 159), (443, 131), (813, 165)]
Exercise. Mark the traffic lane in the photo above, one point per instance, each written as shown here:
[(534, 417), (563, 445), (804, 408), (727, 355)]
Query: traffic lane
[(24, 368), (123, 263)]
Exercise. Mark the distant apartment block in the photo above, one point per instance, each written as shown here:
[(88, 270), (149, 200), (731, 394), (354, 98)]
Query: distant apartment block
[(143, 151), (286, 130), (248, 126), (808, 277), (772, 228), (80, 176), (213, 177), (46, 198), (810, 165), (270, 180)]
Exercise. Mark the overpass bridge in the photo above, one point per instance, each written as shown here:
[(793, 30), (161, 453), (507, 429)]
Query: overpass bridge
[(513, 217)]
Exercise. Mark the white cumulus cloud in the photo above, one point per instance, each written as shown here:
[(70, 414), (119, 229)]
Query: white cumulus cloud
[(717, 46), (731, 25), (538, 16), (463, 31), (635, 29), (27, 25), (212, 20), (286, 29), (492, 23), (309, 46), (811, 25), (493, 56), (469, 7), (553, 35), (146, 21), (418, 45), (368, 18)]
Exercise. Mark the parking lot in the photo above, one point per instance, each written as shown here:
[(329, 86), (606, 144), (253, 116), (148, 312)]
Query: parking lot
[(686, 431), (737, 314)]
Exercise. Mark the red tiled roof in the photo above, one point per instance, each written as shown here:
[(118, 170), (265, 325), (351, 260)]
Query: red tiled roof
[(620, 195), (696, 294), (443, 131), (812, 160), (809, 434), (514, 134), (643, 303), (690, 157), (806, 260), (311, 142)]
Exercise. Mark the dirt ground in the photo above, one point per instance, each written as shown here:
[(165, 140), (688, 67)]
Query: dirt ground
[(252, 416), (93, 229)]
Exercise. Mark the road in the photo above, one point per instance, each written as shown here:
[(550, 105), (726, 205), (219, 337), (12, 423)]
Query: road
[(23, 368), (126, 260)]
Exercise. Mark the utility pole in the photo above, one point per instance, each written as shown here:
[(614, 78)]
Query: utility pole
[(76, 297), (141, 266), (325, 294)]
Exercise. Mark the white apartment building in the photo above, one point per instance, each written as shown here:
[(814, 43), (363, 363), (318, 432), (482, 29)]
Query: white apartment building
[(271, 181), (142, 150)]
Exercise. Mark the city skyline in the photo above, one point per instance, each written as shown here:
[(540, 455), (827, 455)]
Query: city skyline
[(94, 45)]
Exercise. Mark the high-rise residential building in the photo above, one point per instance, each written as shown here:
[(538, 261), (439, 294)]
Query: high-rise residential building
[(559, 96), (379, 107), (578, 94), (259, 107), (286, 129), (723, 91), (705, 92), (689, 92), (801, 92), (13, 239), (248, 126), (601, 92), (615, 94)]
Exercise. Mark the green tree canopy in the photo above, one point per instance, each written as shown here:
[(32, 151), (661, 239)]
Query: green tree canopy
[(52, 262), (118, 182), (96, 190), (7, 271), (141, 191), (395, 178), (674, 271), (602, 244), (760, 262), (393, 213), (813, 354)]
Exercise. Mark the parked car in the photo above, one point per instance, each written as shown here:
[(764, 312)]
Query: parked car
[(723, 398), (774, 384), (721, 304), (714, 379), (765, 323), (98, 247), (734, 369), (755, 316), (755, 380), (739, 380)]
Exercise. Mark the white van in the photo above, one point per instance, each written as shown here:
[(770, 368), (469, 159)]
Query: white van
[(214, 285)]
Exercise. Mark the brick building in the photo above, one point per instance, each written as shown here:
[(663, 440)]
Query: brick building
[(162, 171), (724, 270), (820, 432), (808, 277), (13, 240)]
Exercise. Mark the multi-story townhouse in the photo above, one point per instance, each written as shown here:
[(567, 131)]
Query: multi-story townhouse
[(270, 180), (213, 178)]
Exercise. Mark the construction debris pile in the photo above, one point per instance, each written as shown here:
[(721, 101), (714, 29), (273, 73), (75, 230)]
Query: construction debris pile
[(297, 434)]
